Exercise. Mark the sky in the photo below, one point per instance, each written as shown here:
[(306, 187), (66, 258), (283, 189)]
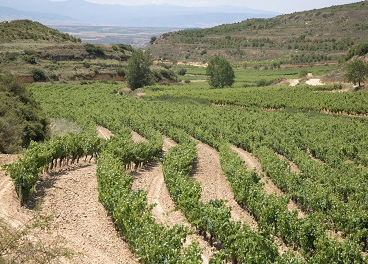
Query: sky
[(280, 6)]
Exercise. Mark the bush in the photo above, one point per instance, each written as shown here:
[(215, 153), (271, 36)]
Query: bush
[(125, 47), (303, 73), (263, 82), (39, 75), (29, 58), (357, 50), (94, 50), (162, 74), (21, 117), (182, 72), (121, 72)]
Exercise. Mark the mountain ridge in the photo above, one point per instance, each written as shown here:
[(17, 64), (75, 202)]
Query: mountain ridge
[(136, 16)]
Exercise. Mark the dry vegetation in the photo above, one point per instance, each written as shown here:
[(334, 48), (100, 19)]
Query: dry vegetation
[(321, 35), (28, 46)]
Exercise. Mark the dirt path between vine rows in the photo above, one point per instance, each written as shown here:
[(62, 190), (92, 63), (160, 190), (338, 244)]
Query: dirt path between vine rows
[(71, 197), (104, 132), (69, 202), (150, 178), (269, 186), (215, 185)]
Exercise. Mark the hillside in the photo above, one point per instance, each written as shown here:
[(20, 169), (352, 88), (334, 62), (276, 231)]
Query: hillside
[(320, 35), (18, 30), (33, 51)]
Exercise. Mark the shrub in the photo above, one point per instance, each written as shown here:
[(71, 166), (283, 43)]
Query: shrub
[(303, 73), (21, 117), (357, 50), (39, 75), (264, 82), (29, 58), (121, 72), (182, 72), (94, 50)]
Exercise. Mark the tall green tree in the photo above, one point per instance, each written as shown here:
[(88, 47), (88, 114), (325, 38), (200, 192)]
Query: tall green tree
[(356, 72), (221, 72), (138, 69)]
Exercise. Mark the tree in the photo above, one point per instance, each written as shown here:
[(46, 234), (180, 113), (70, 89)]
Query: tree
[(138, 69), (356, 72), (153, 39), (221, 73)]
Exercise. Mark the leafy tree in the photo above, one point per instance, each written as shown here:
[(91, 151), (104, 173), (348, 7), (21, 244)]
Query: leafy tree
[(356, 72), (138, 69), (221, 72)]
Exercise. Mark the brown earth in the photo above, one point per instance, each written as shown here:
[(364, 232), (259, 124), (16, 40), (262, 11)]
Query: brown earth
[(215, 185), (150, 178), (104, 132), (71, 197), (269, 186), (75, 216), (70, 202)]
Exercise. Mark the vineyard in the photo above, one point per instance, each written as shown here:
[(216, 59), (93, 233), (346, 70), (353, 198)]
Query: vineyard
[(297, 177)]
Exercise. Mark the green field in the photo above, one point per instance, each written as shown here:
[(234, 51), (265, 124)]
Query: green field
[(271, 122), (311, 140)]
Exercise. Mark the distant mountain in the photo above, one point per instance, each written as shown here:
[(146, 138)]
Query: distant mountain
[(85, 12), (7, 13)]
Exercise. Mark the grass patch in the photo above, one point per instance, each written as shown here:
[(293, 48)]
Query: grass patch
[(20, 245), (62, 127)]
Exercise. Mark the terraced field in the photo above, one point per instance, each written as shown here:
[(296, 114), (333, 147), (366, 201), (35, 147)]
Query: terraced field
[(183, 180)]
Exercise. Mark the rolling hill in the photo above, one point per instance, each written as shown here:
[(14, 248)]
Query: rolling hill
[(26, 30), (321, 35), (28, 49)]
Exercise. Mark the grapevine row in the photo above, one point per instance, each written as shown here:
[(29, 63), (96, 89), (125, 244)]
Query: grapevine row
[(151, 242), (239, 243), (38, 157), (336, 190), (273, 217)]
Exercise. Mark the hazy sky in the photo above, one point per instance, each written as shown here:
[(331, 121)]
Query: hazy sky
[(281, 6)]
